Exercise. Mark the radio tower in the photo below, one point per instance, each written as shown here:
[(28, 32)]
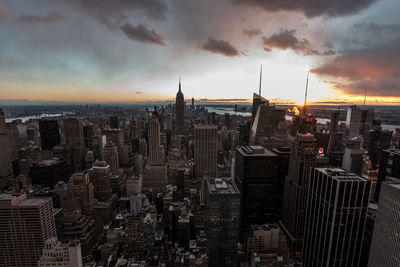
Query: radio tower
[(305, 96), (259, 87)]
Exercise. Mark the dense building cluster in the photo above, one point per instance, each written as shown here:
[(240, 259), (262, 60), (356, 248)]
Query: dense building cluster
[(179, 185)]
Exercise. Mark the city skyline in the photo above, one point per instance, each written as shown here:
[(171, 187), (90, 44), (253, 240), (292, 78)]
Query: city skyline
[(133, 52)]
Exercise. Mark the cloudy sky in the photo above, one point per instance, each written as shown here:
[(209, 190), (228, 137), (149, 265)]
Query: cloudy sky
[(135, 50)]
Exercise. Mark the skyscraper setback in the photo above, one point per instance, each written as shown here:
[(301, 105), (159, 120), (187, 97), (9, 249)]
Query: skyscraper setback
[(180, 111)]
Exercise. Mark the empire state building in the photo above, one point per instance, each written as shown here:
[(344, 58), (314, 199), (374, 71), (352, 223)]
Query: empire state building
[(180, 111)]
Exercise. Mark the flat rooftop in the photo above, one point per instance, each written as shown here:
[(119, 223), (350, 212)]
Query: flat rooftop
[(221, 186), (256, 151), (341, 175), (32, 202), (205, 126)]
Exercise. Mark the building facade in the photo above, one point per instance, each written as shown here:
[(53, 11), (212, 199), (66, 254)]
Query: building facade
[(335, 219), (25, 225), (205, 150), (49, 134), (256, 174), (385, 246), (56, 254), (222, 221)]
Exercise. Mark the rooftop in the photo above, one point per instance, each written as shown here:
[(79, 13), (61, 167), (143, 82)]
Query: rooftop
[(221, 186), (32, 202), (255, 151), (341, 175)]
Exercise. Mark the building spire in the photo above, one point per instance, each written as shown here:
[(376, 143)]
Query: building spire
[(179, 83), (305, 95), (365, 96), (259, 87)]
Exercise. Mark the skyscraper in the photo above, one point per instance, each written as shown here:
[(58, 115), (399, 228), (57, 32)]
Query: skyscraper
[(6, 170), (156, 154), (111, 156), (389, 168), (180, 111), (302, 158), (80, 194), (114, 124), (25, 225), (335, 218), (257, 101), (49, 134), (100, 177), (385, 247), (357, 119), (222, 221), (205, 150), (61, 255), (256, 173), (265, 122), (74, 141)]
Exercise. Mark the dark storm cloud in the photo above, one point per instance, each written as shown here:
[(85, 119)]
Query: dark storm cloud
[(7, 14), (376, 28), (112, 12), (251, 33), (287, 40), (375, 68), (50, 18), (311, 8), (220, 47), (142, 34)]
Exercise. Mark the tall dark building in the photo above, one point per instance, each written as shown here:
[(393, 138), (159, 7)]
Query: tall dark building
[(6, 168), (74, 141), (302, 158), (114, 123), (385, 247), (256, 171), (205, 150), (222, 221), (389, 168), (88, 132), (335, 218), (244, 133), (283, 170), (376, 140), (180, 112), (49, 134), (25, 225), (49, 172)]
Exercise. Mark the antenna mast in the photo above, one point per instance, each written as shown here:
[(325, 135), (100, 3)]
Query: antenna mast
[(305, 96), (259, 88), (365, 96)]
